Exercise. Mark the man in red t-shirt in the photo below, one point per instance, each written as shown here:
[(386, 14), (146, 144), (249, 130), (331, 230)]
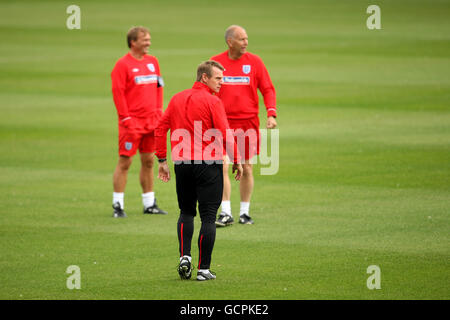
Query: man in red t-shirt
[(244, 74), (137, 89)]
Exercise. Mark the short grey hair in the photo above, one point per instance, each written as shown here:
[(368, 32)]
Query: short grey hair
[(229, 33)]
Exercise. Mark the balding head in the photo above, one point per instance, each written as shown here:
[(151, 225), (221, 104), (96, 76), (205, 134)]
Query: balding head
[(237, 41), (231, 30)]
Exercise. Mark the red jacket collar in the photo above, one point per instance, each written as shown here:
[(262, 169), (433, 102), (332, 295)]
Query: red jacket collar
[(202, 86)]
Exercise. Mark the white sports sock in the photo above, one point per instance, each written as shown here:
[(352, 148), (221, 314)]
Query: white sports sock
[(245, 207), (226, 207), (203, 270), (148, 199), (118, 197)]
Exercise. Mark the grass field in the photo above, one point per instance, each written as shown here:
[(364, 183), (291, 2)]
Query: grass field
[(364, 178)]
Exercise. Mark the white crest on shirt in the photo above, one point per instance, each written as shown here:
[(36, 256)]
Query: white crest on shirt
[(135, 70), (246, 68), (151, 67)]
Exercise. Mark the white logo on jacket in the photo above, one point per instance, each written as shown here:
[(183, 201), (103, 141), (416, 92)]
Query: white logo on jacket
[(246, 68), (151, 67)]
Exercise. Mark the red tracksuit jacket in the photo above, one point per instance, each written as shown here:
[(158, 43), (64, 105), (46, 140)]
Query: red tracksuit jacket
[(135, 88), (198, 124), (242, 78)]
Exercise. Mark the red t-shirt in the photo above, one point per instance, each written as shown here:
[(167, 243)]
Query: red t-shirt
[(137, 88), (198, 127), (242, 78)]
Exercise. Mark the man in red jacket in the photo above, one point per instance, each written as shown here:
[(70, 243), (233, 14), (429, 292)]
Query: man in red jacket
[(198, 124), (244, 74), (137, 89)]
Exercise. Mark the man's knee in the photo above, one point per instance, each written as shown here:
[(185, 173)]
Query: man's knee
[(186, 217), (124, 163), (247, 170), (148, 161), (208, 219), (208, 212)]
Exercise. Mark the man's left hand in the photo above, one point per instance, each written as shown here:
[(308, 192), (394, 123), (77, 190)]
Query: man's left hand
[(271, 123), (163, 172)]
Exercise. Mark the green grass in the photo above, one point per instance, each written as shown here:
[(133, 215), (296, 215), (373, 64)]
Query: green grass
[(364, 175)]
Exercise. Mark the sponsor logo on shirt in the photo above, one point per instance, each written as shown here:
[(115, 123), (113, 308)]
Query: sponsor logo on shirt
[(236, 80), (152, 78), (135, 69)]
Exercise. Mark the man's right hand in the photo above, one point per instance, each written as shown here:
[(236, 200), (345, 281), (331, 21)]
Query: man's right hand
[(237, 167), (130, 125)]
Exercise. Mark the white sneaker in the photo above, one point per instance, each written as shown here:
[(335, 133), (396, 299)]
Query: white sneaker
[(224, 220), (185, 268), (205, 275)]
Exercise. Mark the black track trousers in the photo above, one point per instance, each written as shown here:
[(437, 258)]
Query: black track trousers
[(202, 183)]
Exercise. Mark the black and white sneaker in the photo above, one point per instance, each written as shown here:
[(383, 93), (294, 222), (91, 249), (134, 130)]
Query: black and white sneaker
[(185, 269), (205, 275), (245, 219), (224, 220), (118, 211), (154, 209)]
